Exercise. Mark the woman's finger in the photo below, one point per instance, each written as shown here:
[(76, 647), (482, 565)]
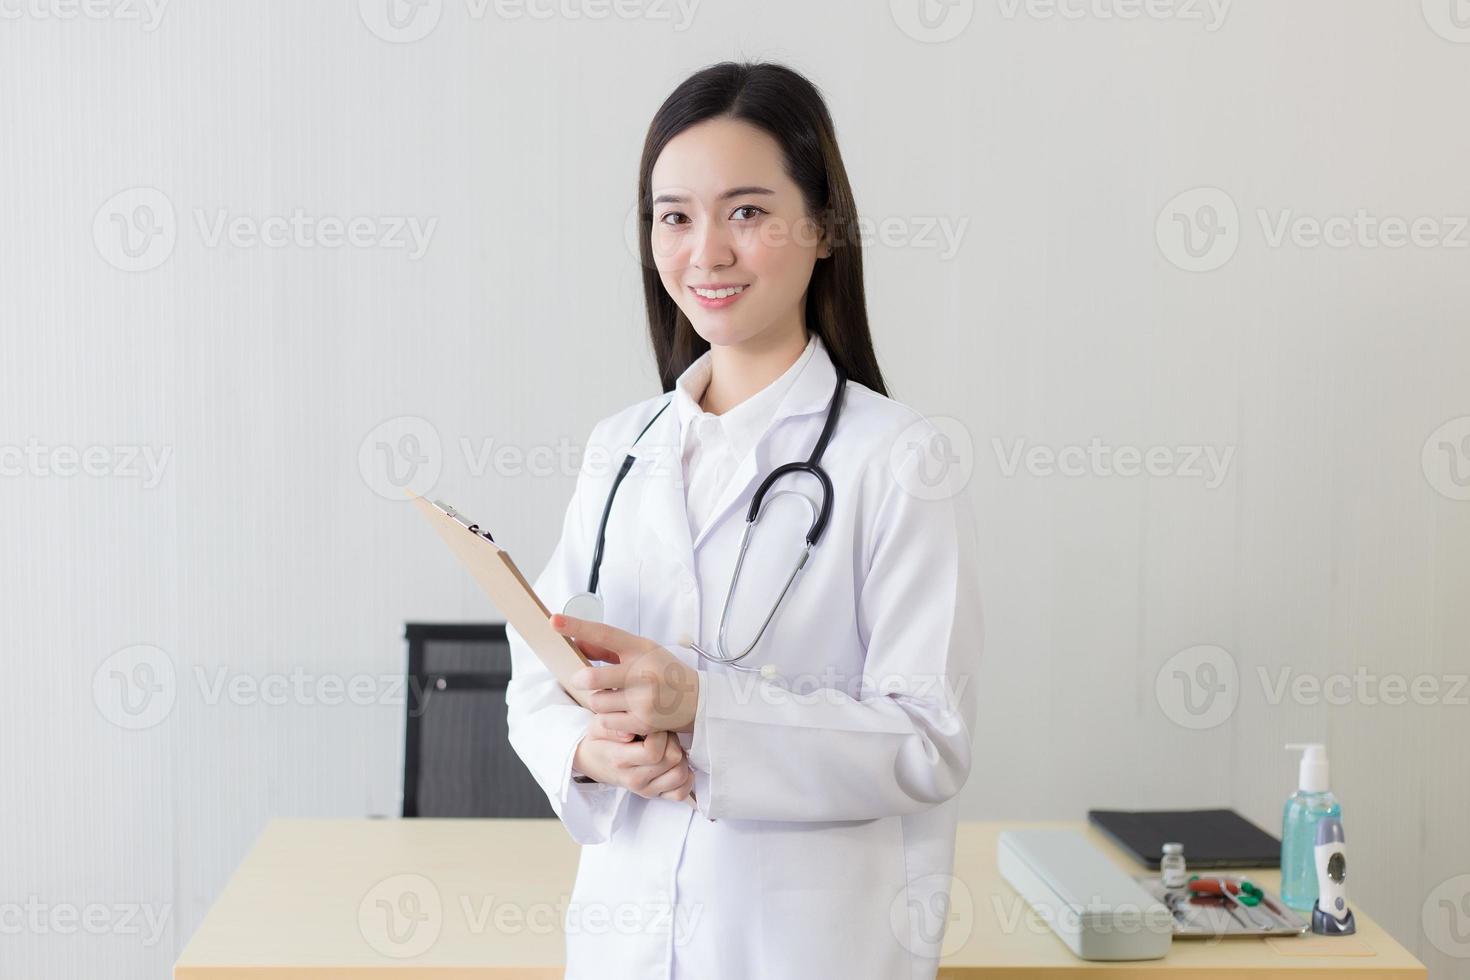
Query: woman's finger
[(600, 678), (607, 702), (682, 791), (594, 652), (600, 634), (597, 727), (668, 782), (623, 723), (651, 750)]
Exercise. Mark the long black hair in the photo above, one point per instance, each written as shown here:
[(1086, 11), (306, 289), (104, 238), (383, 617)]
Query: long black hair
[(783, 103)]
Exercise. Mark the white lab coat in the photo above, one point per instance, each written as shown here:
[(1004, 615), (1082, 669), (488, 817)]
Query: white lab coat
[(823, 838)]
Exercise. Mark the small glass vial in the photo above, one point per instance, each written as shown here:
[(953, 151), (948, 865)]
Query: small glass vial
[(1171, 867)]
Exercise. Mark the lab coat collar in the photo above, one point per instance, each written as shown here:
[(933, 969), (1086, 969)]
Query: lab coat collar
[(664, 507), (742, 425)]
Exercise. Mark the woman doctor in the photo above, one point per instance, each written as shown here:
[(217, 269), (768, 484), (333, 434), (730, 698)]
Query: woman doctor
[(791, 813)]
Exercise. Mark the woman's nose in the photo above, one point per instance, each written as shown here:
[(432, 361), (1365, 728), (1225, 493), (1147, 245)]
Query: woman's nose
[(712, 247)]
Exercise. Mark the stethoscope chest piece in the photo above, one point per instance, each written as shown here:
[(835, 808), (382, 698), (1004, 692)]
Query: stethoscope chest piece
[(584, 605)]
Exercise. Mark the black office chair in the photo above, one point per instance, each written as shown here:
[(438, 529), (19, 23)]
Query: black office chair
[(457, 760)]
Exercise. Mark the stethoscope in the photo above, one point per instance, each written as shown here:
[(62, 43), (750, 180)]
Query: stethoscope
[(588, 605)]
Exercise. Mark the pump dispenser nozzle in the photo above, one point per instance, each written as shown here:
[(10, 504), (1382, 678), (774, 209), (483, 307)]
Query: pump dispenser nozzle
[(1312, 777)]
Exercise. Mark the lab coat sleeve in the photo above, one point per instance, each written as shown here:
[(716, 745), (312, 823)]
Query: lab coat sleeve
[(902, 744), (545, 725)]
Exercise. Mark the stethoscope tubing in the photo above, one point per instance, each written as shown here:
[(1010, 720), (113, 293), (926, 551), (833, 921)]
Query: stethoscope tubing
[(820, 516)]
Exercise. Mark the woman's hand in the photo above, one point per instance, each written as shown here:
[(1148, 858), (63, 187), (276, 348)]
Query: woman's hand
[(647, 689), (654, 767)]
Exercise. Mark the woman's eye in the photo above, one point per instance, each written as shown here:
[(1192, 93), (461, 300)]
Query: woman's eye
[(663, 219), (747, 207)]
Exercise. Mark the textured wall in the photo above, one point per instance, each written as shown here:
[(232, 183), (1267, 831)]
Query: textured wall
[(1086, 227)]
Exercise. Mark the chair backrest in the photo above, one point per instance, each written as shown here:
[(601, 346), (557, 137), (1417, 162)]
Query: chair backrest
[(457, 759)]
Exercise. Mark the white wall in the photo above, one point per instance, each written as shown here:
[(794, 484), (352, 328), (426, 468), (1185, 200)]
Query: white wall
[(1054, 144)]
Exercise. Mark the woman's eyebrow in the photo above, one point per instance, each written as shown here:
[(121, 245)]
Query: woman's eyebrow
[(732, 192)]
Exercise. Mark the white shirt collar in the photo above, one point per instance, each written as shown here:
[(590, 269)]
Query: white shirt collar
[(742, 425)]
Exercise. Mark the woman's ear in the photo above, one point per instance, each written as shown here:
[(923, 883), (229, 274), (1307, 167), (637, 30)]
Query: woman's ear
[(824, 244)]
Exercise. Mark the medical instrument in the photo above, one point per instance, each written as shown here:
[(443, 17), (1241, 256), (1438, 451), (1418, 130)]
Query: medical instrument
[(1222, 906), (1241, 894), (1330, 914), (588, 604), (1248, 893)]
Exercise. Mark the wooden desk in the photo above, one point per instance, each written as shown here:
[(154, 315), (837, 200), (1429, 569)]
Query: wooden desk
[(489, 895)]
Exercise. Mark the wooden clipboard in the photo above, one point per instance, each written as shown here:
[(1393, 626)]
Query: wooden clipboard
[(492, 567)]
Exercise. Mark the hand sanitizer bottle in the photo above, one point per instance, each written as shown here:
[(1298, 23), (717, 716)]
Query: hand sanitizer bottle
[(1309, 804)]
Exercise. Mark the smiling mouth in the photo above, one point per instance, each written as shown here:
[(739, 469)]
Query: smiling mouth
[(721, 297), (720, 293)]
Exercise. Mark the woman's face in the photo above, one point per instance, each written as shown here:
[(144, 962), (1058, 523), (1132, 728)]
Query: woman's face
[(726, 215)]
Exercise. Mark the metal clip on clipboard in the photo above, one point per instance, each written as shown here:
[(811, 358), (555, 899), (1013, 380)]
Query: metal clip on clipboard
[(462, 521)]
